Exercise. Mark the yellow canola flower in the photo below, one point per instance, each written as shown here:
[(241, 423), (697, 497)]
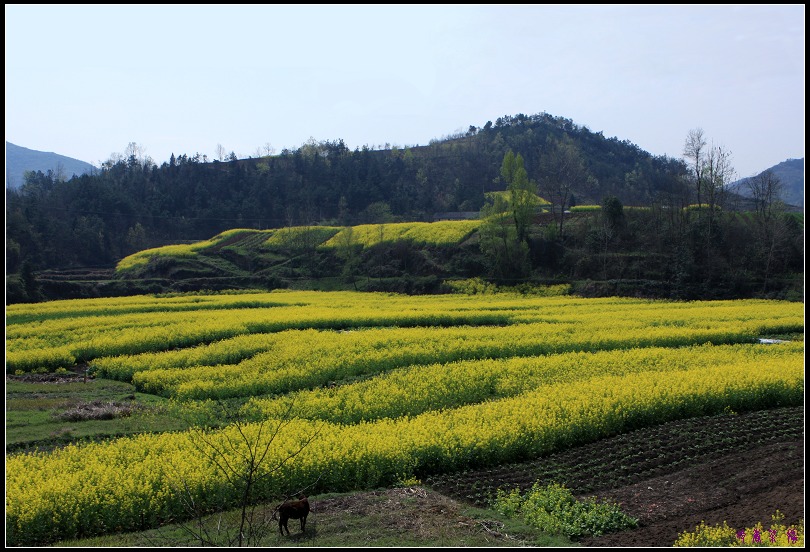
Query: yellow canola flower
[(95, 487)]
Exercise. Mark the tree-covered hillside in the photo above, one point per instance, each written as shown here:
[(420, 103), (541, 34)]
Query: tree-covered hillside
[(131, 204)]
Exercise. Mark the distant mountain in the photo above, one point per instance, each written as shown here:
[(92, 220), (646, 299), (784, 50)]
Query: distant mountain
[(790, 173), (20, 159)]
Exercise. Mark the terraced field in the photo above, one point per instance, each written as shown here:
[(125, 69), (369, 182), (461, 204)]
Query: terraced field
[(359, 391)]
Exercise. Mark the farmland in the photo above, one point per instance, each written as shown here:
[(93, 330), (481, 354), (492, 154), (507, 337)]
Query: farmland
[(370, 390)]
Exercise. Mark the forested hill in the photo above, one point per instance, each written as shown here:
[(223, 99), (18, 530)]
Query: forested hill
[(666, 248), (131, 203)]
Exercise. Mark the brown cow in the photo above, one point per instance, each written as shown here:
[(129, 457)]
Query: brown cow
[(293, 509)]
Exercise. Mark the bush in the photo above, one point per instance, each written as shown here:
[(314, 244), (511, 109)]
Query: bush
[(553, 509), (479, 286), (471, 286)]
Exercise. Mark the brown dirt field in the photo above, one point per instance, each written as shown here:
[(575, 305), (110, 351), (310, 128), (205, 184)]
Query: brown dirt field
[(738, 468), (739, 488)]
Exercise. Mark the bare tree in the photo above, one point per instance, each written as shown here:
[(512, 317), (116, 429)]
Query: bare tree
[(133, 151), (59, 174), (775, 246), (563, 170), (712, 174), (766, 189), (719, 173), (242, 456), (693, 150), (135, 154), (711, 169), (612, 221), (220, 152)]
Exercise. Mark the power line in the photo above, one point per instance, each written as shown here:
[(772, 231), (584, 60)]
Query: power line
[(10, 204)]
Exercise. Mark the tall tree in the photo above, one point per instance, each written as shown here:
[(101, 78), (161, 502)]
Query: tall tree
[(612, 222), (711, 170), (773, 228), (508, 256), (694, 151), (766, 190), (563, 170), (522, 193), (718, 173)]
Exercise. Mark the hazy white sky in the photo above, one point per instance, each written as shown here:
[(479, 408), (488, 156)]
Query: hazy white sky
[(84, 80)]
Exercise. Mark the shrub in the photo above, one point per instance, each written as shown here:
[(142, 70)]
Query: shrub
[(479, 286), (472, 286), (553, 509)]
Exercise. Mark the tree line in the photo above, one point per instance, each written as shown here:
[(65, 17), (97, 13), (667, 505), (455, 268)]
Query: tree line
[(131, 203)]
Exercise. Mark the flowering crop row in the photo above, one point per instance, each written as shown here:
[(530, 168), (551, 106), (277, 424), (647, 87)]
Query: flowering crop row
[(137, 482), (417, 389), (722, 535), (304, 359), (181, 250), (438, 233), (434, 233), (57, 316), (94, 337), (18, 315), (300, 236), (80, 332)]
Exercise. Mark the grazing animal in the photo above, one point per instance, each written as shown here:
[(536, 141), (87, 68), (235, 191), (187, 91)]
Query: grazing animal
[(293, 509)]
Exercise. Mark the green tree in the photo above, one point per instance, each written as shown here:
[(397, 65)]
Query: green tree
[(508, 256), (348, 250), (612, 221), (136, 238), (29, 282), (522, 193), (613, 212), (343, 210), (378, 212)]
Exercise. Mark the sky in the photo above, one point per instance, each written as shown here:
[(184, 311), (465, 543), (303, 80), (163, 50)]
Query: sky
[(85, 81)]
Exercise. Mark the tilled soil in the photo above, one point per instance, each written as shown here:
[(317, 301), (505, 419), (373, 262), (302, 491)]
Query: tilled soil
[(739, 469), (740, 488)]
